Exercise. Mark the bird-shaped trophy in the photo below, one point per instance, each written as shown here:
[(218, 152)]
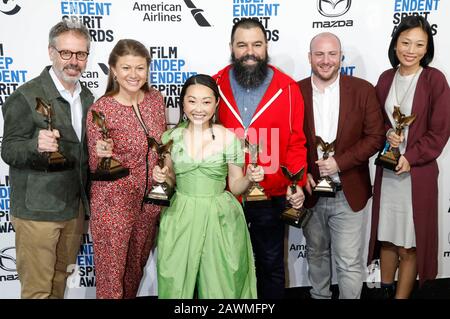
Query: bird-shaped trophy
[(56, 161), (388, 157), (161, 193), (108, 169), (255, 192), (325, 187), (295, 217)]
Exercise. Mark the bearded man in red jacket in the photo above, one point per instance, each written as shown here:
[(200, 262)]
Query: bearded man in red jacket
[(262, 104)]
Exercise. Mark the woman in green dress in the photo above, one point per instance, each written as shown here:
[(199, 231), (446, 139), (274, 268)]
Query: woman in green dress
[(204, 247)]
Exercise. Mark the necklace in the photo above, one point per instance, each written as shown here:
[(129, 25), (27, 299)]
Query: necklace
[(399, 102)]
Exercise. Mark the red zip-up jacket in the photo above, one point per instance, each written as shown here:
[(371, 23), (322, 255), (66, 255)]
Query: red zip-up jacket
[(277, 125)]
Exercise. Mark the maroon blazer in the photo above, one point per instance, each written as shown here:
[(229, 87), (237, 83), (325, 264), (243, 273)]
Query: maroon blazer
[(427, 137), (360, 134)]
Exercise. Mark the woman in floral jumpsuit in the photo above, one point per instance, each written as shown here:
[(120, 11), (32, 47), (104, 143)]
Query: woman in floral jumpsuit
[(123, 226)]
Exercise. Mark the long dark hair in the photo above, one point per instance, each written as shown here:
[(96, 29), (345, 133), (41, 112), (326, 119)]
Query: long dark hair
[(122, 48), (407, 23), (202, 79)]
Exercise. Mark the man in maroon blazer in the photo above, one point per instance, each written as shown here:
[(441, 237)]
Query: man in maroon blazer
[(343, 110)]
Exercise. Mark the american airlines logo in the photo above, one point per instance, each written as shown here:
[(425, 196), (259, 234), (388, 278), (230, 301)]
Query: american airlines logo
[(197, 14), (9, 7)]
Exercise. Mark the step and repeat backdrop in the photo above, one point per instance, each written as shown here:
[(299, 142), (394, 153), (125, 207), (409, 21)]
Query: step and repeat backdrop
[(192, 36)]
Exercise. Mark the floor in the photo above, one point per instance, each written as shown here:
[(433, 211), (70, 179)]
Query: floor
[(435, 289)]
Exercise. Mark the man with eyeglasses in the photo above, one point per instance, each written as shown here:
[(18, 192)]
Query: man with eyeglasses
[(48, 202)]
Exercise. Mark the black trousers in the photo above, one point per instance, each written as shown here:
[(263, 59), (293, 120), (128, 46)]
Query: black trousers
[(267, 236)]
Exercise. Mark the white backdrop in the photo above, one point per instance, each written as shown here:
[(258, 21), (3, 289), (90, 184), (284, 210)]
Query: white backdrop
[(188, 37)]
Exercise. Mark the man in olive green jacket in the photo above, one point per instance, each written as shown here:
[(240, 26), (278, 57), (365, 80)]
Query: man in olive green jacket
[(48, 201)]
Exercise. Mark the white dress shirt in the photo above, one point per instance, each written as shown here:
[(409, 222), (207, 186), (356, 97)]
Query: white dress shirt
[(76, 109), (326, 115)]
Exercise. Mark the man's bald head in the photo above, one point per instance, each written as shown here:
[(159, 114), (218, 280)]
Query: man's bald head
[(324, 36), (325, 58)]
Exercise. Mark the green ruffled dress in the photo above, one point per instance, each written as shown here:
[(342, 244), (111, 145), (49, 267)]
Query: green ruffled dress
[(203, 241)]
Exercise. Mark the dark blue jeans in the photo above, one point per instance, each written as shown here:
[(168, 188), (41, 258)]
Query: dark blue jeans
[(267, 236)]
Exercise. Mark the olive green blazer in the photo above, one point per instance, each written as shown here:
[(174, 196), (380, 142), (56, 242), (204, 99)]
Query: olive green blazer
[(38, 194)]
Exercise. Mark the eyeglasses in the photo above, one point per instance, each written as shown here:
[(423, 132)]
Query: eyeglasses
[(67, 54)]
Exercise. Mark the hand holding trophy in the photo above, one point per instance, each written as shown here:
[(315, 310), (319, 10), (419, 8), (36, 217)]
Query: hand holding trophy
[(295, 217), (325, 187), (255, 192), (108, 169), (388, 157), (55, 160), (161, 193)]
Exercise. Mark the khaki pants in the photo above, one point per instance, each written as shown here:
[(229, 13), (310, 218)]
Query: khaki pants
[(44, 250)]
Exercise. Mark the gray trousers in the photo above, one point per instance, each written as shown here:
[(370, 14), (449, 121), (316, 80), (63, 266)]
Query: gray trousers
[(335, 227)]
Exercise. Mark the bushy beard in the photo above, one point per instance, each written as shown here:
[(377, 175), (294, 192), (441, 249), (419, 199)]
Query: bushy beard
[(250, 76)]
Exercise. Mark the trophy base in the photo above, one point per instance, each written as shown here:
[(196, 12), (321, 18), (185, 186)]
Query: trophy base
[(159, 195), (296, 218), (325, 188), (325, 193), (157, 201), (387, 160), (57, 162), (110, 174), (255, 197), (256, 203), (255, 194)]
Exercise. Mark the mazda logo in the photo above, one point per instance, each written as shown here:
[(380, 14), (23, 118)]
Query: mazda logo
[(7, 262), (333, 8)]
